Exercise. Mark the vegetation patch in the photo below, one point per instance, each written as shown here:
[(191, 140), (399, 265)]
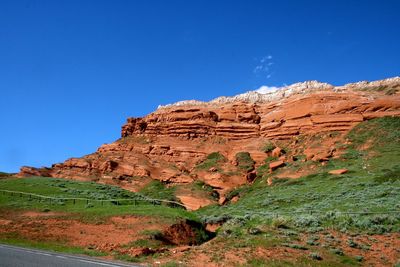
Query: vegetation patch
[(95, 209), (212, 160), (362, 200), (157, 190), (268, 147), (245, 162)]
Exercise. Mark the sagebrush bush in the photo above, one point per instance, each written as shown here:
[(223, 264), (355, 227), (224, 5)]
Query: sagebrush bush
[(212, 160), (306, 221), (268, 147), (280, 222), (244, 160)]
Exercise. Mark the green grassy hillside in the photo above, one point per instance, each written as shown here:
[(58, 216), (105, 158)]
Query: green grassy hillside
[(321, 219), (91, 209), (367, 198)]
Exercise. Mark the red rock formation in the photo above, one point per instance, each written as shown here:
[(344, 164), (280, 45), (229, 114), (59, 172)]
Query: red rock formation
[(169, 143)]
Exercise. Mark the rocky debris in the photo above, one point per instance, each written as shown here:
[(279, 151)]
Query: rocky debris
[(180, 249), (235, 199), (107, 247), (300, 88), (338, 172), (319, 153), (137, 252), (366, 85), (213, 227), (212, 169), (276, 152), (276, 164), (222, 200)]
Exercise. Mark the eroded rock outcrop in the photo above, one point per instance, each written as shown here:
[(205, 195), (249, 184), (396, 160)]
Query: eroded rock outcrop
[(170, 143)]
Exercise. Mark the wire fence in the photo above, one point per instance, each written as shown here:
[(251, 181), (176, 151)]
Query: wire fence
[(315, 212), (139, 199)]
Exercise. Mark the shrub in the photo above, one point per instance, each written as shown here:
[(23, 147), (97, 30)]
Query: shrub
[(351, 243), (268, 147), (390, 176), (337, 251), (295, 246), (359, 258), (212, 160), (315, 256), (245, 162), (280, 222), (216, 219), (306, 221), (254, 231)]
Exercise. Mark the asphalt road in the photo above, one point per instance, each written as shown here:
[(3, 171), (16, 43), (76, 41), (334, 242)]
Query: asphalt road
[(11, 256)]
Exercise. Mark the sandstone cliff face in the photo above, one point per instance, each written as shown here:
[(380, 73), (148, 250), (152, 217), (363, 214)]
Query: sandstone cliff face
[(170, 143), (300, 114)]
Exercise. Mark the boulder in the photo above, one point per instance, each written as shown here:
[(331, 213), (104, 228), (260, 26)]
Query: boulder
[(338, 171), (222, 200), (276, 152), (276, 164), (212, 169)]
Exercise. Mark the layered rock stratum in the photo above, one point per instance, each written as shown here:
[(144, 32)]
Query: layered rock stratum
[(170, 143)]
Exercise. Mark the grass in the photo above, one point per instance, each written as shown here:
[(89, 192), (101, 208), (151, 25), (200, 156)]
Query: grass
[(92, 211), (245, 162), (319, 201), (157, 190), (282, 212), (268, 147), (65, 188), (204, 189), (212, 160)]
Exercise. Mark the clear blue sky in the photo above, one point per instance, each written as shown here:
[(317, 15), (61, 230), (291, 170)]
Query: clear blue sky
[(71, 72)]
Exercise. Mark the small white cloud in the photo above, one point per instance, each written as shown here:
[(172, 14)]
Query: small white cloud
[(264, 66), (258, 68), (266, 89)]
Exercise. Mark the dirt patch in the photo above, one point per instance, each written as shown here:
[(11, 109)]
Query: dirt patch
[(108, 236), (5, 222), (36, 214), (127, 235), (376, 250)]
